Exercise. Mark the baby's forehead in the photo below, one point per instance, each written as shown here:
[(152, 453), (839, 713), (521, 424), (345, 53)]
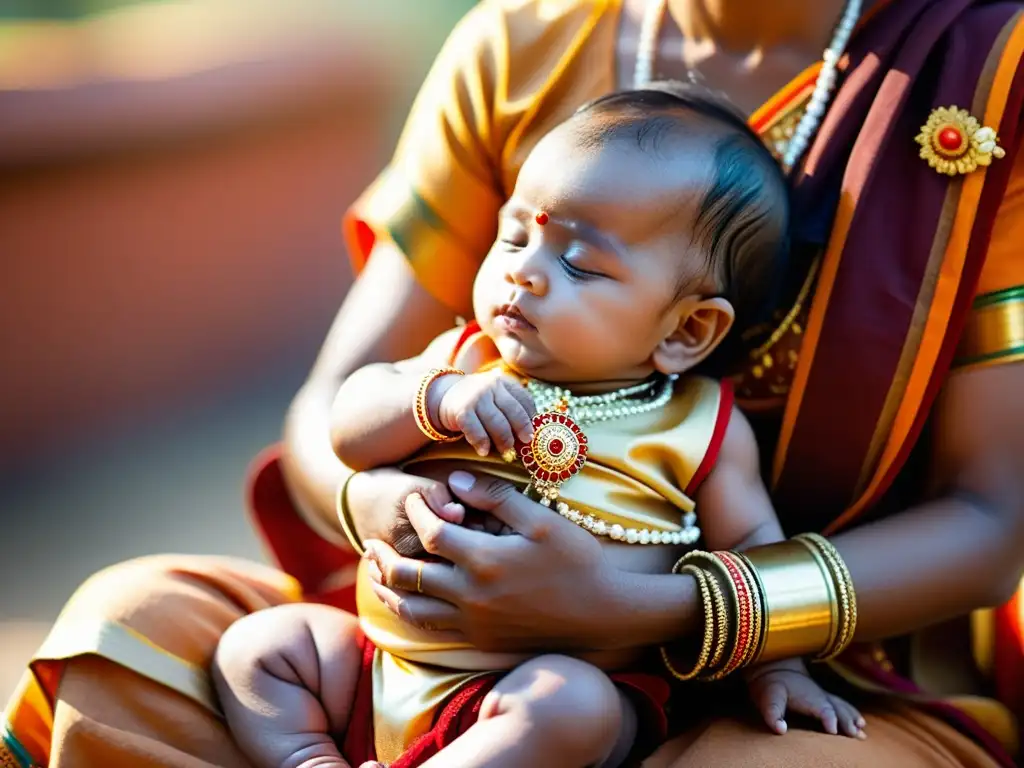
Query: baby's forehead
[(643, 185)]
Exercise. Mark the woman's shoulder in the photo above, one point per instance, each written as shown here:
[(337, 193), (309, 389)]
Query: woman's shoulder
[(521, 23), (549, 29)]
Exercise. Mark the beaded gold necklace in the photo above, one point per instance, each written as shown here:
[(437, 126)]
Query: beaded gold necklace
[(559, 450)]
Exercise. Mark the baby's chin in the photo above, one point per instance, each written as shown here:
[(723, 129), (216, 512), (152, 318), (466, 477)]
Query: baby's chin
[(517, 355)]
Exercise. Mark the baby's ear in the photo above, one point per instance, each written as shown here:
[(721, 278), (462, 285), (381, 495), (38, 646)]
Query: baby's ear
[(700, 326)]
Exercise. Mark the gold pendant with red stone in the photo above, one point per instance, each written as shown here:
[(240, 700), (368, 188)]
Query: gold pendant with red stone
[(954, 142), (557, 451)]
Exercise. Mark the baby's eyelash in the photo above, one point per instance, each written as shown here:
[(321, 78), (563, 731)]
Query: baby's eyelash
[(574, 273)]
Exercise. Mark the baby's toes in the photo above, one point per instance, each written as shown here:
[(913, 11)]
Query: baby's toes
[(850, 721)]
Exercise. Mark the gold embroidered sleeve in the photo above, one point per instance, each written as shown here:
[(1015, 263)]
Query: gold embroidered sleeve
[(994, 334)]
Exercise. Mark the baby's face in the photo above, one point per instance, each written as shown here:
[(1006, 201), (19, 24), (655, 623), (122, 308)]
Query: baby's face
[(588, 296)]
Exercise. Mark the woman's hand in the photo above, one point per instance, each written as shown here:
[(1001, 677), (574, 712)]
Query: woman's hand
[(376, 501), (548, 587)]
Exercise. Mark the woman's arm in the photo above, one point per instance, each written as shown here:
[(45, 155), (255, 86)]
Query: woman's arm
[(965, 550), (549, 587), (444, 170), (366, 330)]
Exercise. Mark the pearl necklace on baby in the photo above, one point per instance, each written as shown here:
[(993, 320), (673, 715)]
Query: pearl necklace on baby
[(649, 395), (647, 50), (559, 449)]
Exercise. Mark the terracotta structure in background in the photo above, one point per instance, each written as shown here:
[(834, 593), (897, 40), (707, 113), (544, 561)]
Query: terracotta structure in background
[(162, 239)]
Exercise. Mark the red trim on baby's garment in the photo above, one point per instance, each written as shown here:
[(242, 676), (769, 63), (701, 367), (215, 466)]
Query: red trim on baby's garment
[(725, 403)]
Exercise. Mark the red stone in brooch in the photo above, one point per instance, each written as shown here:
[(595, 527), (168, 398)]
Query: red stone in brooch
[(557, 451)]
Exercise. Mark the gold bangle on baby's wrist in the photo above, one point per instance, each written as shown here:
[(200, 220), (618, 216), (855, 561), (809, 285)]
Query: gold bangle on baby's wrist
[(420, 411)]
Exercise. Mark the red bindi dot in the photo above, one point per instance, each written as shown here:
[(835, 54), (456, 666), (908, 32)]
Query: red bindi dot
[(542, 218)]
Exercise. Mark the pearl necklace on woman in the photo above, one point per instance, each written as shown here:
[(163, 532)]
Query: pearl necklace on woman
[(646, 56)]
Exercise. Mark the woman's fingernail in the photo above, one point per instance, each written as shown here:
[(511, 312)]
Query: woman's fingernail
[(461, 481), (385, 596), (781, 726), (374, 572)]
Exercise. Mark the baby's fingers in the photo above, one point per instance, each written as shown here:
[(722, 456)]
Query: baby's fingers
[(496, 423), (851, 722), (771, 699), (517, 415), (474, 432), (520, 393)]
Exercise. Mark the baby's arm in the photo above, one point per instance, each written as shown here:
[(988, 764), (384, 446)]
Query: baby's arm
[(737, 513), (374, 422)]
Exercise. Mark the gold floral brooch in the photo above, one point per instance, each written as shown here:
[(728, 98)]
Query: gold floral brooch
[(952, 141)]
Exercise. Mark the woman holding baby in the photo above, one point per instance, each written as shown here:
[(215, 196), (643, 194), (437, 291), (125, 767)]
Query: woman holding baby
[(884, 393)]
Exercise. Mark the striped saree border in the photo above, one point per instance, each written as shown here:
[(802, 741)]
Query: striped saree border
[(12, 754), (994, 334), (130, 649)]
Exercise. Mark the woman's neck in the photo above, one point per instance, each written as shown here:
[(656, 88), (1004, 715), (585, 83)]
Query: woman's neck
[(744, 26)]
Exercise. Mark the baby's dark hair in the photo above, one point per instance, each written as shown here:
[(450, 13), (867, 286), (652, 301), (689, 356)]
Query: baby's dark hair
[(742, 222)]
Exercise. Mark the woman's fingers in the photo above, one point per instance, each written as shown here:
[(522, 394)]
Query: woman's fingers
[(505, 502), (422, 612), (389, 569), (454, 543)]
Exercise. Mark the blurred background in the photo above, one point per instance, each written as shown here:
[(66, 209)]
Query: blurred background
[(172, 179)]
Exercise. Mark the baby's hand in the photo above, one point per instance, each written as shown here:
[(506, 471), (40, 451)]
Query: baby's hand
[(786, 684), (490, 407)]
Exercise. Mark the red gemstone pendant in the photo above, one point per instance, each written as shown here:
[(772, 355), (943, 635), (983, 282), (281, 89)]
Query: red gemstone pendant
[(557, 451)]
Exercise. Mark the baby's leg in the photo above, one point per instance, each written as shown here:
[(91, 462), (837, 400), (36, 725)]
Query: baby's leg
[(286, 678), (551, 711)]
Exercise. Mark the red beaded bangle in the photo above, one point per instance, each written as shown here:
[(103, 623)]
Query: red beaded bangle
[(745, 617), (756, 606)]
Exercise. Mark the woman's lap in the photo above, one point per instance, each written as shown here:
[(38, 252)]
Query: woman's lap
[(898, 736), (126, 666)]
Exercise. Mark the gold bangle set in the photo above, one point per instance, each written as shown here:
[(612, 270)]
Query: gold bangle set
[(419, 406), (794, 598), (846, 599)]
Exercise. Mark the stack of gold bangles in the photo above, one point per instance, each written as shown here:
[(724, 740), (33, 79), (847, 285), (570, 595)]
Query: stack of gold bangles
[(779, 601)]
